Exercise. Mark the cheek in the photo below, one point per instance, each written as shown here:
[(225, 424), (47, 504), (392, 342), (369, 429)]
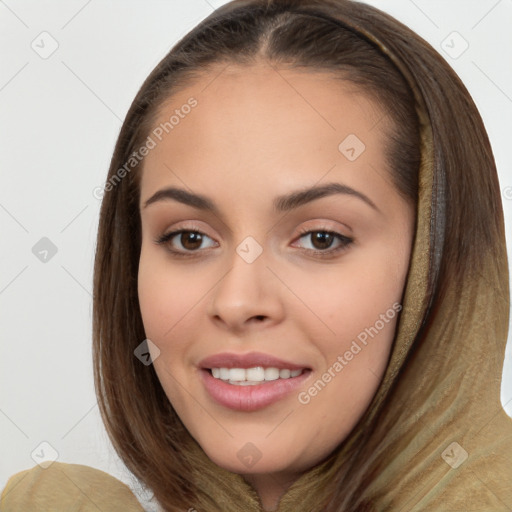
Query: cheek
[(358, 303), (158, 306), (167, 295), (353, 296), (167, 325), (167, 298)]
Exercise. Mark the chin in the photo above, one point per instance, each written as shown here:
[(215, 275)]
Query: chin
[(248, 459)]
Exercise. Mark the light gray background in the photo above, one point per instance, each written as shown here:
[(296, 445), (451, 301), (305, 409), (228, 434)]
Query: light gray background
[(59, 120)]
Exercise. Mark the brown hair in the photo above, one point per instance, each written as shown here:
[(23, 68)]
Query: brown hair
[(308, 35)]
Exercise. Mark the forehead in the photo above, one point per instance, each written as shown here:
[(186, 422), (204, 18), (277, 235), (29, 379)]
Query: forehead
[(230, 93), (263, 125)]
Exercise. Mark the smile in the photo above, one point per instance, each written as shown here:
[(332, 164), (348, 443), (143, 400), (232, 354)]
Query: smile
[(253, 376), (251, 395)]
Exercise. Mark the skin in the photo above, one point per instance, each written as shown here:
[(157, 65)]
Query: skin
[(257, 133)]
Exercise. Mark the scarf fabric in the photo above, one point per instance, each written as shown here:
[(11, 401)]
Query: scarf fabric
[(446, 441)]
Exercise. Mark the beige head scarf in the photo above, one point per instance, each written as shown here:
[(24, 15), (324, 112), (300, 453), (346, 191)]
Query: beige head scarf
[(447, 439)]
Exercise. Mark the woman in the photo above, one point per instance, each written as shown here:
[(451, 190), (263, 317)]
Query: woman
[(302, 193)]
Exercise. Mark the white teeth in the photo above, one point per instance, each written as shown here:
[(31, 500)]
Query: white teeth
[(237, 374), (257, 373), (271, 374), (252, 376)]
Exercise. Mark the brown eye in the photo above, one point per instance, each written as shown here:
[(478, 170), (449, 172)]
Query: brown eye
[(184, 241), (323, 242), (191, 240), (321, 239)]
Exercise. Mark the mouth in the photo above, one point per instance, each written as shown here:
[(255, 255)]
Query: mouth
[(250, 382), (252, 389)]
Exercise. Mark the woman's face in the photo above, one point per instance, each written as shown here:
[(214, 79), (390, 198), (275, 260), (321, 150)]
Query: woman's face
[(302, 255)]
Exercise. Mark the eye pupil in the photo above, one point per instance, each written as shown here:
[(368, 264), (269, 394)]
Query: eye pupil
[(195, 238), (324, 238)]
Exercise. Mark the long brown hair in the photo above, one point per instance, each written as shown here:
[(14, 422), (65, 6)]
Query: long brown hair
[(312, 35)]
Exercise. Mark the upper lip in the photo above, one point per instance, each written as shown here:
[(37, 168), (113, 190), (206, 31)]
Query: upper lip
[(248, 360)]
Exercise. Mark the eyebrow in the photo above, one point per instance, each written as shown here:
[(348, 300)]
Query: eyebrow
[(282, 203)]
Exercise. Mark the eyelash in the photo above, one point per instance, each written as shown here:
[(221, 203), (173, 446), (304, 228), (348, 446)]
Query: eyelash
[(345, 242)]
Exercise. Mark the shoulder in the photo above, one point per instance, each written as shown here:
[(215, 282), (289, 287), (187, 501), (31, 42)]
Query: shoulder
[(69, 487)]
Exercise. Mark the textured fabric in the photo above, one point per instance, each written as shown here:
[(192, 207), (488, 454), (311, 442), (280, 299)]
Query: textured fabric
[(69, 488), (447, 439)]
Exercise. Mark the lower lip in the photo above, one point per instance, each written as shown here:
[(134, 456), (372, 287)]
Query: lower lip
[(251, 398)]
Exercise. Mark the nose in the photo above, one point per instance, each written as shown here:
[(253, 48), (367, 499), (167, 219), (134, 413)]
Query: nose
[(247, 296)]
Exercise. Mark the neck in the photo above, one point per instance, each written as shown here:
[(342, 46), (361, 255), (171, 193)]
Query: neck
[(270, 487)]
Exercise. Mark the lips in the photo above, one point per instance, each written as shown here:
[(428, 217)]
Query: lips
[(249, 360), (250, 397)]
